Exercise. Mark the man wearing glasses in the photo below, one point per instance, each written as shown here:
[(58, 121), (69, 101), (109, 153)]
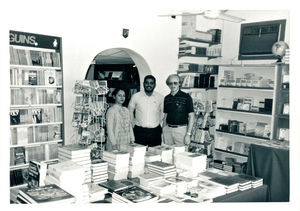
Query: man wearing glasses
[(178, 114)]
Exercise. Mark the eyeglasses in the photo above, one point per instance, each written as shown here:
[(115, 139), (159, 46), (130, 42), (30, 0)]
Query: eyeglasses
[(175, 83)]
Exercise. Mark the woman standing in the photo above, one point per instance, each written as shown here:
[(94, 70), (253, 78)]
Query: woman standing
[(119, 129)]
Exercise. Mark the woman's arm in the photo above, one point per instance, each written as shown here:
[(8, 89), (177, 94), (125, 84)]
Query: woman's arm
[(110, 125)]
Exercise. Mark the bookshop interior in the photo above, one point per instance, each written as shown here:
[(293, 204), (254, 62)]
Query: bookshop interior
[(185, 107)]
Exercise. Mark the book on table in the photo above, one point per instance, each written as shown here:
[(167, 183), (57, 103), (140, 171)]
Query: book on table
[(161, 165), (37, 172), (74, 149), (135, 194), (113, 185), (46, 194)]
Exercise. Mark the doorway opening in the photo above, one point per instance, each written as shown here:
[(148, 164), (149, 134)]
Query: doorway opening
[(122, 68)]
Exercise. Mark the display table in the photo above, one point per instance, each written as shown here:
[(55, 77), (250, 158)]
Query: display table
[(259, 194), (271, 164)]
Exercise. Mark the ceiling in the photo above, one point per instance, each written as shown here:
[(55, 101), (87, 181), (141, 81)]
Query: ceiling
[(113, 56)]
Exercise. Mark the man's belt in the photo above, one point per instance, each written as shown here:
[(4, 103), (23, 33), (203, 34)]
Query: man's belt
[(175, 126)]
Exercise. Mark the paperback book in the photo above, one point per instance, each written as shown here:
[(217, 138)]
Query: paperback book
[(135, 194), (46, 194)]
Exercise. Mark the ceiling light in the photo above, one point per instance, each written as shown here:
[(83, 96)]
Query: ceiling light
[(212, 14)]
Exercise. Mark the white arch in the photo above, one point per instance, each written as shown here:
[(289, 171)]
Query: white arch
[(140, 62)]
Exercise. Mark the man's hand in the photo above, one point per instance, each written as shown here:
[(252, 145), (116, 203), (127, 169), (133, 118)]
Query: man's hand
[(187, 139)]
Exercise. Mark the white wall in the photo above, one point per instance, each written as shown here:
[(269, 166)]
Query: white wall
[(99, 27), (231, 32), (85, 34)]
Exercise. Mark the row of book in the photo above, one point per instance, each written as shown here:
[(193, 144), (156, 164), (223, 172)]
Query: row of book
[(245, 80), (248, 104), (35, 115), (30, 96), (30, 135), (237, 147), (194, 48), (200, 68), (20, 56), (258, 129), (19, 76), (201, 81), (22, 155)]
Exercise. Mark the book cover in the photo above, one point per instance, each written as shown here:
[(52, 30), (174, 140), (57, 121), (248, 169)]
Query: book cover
[(28, 96), (50, 77), (37, 172), (32, 77), (14, 117), (136, 194), (113, 185), (161, 165), (47, 59), (19, 155), (36, 58), (46, 194), (22, 135), (150, 176), (73, 149), (37, 115), (227, 181), (22, 56)]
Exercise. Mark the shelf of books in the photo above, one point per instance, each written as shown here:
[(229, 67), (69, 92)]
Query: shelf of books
[(198, 72), (246, 111), (36, 99), (282, 112)]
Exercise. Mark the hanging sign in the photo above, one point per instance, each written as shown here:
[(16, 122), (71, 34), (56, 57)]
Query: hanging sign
[(34, 40)]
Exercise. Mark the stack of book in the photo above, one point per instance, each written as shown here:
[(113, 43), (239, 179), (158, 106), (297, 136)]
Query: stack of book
[(205, 190), (44, 194), (114, 185), (164, 151), (189, 181), (255, 181), (78, 154), (194, 163), (150, 157), (177, 148), (118, 164), (134, 194), (37, 172), (163, 188), (229, 183), (212, 189), (99, 172), (162, 168), (148, 178), (181, 185), (71, 177), (96, 192), (219, 164), (136, 159)]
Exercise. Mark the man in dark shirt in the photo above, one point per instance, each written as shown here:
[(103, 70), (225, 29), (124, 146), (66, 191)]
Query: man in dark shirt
[(178, 114)]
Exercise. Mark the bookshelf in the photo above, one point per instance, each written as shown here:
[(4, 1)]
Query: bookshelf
[(36, 101), (199, 76), (282, 114), (250, 104)]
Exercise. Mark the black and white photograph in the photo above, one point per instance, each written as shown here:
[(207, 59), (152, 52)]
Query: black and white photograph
[(183, 102)]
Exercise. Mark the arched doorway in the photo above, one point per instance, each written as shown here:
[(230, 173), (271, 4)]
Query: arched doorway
[(121, 67)]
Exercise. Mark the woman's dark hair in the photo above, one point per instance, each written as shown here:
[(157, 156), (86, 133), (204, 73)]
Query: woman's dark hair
[(115, 92)]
